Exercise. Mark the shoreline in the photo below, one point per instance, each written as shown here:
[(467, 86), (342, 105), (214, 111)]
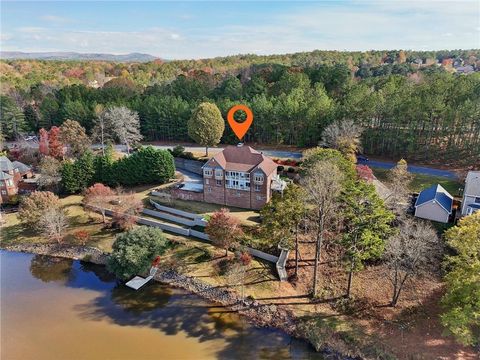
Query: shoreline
[(259, 315)]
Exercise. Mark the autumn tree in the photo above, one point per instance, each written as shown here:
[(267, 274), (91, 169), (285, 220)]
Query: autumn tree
[(124, 124), (399, 181), (32, 207), (126, 207), (99, 197), (73, 135), (50, 173), (43, 142), (409, 252), (323, 183), (55, 146), (344, 136), (282, 216), (52, 224), (223, 229), (102, 130), (461, 301), (206, 125), (366, 226)]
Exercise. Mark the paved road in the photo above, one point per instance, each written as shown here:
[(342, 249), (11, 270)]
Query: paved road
[(298, 155), (412, 168)]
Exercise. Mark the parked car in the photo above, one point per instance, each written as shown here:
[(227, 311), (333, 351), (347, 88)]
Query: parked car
[(361, 157)]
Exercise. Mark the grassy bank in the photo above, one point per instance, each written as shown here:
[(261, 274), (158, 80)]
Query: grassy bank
[(421, 181)]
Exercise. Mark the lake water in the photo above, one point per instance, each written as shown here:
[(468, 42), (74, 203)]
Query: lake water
[(54, 308)]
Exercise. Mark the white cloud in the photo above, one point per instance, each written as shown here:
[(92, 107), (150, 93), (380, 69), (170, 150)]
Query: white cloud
[(360, 25), (55, 19)]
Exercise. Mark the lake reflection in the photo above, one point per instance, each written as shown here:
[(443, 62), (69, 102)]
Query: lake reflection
[(62, 309)]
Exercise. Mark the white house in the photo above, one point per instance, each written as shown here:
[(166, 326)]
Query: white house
[(434, 203), (471, 194)]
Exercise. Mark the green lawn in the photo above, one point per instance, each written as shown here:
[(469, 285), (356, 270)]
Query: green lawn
[(248, 217), (421, 181), (13, 232)]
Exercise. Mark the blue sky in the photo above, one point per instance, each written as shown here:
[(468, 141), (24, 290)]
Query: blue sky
[(199, 29)]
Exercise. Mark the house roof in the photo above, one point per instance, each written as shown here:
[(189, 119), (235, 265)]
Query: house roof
[(436, 193), (242, 158), (5, 164), (22, 168), (5, 176), (472, 183)]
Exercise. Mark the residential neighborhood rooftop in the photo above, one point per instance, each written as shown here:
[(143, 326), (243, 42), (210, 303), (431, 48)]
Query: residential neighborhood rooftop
[(437, 193)]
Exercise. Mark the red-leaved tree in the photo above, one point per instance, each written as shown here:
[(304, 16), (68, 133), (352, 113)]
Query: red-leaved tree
[(43, 142), (223, 229), (55, 146), (98, 196), (365, 173)]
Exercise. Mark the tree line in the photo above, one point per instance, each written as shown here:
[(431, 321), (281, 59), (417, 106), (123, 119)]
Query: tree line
[(421, 116)]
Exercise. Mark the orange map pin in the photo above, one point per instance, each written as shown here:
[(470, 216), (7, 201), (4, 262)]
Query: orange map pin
[(240, 129)]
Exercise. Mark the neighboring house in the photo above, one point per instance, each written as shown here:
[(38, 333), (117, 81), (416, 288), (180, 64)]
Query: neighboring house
[(471, 193), (434, 203), (12, 175), (240, 176), (465, 70)]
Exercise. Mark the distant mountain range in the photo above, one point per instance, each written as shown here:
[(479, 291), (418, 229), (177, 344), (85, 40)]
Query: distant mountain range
[(133, 57)]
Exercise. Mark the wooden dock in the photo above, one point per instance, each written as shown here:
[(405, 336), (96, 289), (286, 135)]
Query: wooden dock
[(137, 282)]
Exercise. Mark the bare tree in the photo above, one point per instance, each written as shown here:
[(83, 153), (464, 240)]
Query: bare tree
[(323, 183), (50, 175), (53, 223), (343, 135), (399, 181), (124, 124), (102, 130), (409, 252)]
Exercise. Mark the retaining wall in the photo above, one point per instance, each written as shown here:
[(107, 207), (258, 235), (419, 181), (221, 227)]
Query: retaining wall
[(193, 166)]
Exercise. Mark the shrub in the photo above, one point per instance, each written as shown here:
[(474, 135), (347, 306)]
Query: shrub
[(82, 236), (280, 168), (291, 170), (134, 251), (177, 151)]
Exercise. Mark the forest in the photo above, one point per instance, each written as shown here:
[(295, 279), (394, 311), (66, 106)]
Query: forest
[(410, 104)]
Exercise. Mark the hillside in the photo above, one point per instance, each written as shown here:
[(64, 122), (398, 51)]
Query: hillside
[(66, 56)]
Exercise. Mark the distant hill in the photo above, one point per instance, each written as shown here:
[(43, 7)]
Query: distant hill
[(133, 57)]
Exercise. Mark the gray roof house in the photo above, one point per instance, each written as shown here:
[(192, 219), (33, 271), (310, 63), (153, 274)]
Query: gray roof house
[(471, 193), (434, 203)]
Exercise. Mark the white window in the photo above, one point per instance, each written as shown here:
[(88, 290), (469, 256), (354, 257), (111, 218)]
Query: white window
[(219, 182), (9, 182), (209, 189), (207, 172), (218, 173), (4, 192), (257, 187), (258, 178), (206, 181), (259, 197)]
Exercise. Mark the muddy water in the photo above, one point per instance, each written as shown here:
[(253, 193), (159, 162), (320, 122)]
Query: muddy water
[(55, 308)]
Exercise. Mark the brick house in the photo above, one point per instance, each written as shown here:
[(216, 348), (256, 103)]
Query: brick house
[(12, 176), (239, 176)]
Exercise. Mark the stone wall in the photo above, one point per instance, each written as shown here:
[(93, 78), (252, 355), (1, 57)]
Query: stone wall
[(186, 195)]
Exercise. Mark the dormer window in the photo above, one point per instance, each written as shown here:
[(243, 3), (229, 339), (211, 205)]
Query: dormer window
[(218, 173), (258, 178), (207, 172)]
